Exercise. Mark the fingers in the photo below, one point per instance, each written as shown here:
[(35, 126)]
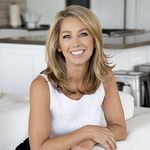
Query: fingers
[(111, 141), (110, 144), (104, 137), (89, 144)]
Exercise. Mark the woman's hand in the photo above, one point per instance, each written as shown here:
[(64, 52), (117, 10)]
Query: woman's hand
[(85, 145), (103, 136), (79, 148)]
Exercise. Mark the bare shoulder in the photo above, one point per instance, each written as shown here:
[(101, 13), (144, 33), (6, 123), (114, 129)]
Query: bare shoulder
[(39, 90), (39, 114), (39, 82), (110, 79), (111, 90), (110, 75)]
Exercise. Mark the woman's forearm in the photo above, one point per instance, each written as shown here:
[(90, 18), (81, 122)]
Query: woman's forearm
[(67, 141)]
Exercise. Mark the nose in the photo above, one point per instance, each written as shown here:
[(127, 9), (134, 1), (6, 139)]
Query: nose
[(75, 42)]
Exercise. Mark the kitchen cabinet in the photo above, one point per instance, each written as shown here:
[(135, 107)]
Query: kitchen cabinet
[(19, 65), (110, 13), (143, 20)]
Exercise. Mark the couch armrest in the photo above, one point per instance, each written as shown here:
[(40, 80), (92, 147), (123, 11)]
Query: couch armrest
[(138, 131), (13, 124)]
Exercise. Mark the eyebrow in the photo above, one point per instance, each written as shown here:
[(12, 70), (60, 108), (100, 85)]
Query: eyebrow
[(79, 30)]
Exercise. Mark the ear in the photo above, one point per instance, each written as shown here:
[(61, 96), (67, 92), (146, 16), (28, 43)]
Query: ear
[(59, 50)]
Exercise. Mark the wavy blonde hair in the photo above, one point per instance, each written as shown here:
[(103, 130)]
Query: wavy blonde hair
[(98, 65)]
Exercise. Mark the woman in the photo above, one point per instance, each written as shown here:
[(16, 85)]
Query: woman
[(69, 97)]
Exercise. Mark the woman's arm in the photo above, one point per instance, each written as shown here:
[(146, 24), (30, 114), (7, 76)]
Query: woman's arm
[(40, 122), (113, 110), (114, 116), (86, 145), (39, 116)]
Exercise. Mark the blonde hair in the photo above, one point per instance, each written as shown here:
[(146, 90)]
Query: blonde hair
[(98, 65)]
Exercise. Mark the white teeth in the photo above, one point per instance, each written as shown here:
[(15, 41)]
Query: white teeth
[(77, 52)]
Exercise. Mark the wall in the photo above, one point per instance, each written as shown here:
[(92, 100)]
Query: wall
[(46, 8), (109, 16), (110, 12), (126, 59), (4, 7)]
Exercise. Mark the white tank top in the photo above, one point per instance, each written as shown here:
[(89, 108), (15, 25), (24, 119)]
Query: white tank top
[(69, 115)]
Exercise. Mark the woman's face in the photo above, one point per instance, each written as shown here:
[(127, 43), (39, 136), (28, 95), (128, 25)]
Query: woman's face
[(75, 41)]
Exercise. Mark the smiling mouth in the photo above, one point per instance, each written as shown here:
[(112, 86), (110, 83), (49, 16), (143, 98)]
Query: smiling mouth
[(78, 52)]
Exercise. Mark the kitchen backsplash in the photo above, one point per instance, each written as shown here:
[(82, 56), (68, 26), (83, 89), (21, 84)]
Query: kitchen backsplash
[(4, 9)]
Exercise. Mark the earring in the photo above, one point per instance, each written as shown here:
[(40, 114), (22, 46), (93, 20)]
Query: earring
[(59, 50)]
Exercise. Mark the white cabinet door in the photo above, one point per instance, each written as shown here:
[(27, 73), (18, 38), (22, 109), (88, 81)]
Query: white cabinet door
[(110, 12), (19, 65), (143, 14)]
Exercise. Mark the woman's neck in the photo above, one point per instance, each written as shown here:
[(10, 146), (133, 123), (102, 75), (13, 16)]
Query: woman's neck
[(76, 73)]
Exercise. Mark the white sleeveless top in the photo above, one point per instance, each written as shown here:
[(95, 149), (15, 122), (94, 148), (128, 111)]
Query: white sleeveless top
[(69, 115)]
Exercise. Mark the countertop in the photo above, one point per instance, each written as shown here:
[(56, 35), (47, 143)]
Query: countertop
[(127, 41), (40, 27), (110, 42)]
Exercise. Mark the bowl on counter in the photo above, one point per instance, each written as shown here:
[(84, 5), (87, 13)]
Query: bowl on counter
[(31, 20)]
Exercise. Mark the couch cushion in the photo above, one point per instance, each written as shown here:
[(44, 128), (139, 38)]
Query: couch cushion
[(14, 112), (127, 101)]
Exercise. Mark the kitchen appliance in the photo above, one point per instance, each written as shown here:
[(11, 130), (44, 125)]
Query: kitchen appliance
[(14, 15), (125, 87), (139, 83)]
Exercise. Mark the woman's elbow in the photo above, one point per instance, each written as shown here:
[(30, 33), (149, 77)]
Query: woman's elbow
[(123, 134)]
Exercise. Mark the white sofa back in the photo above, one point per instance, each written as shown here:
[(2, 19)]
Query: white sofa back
[(13, 122), (127, 101)]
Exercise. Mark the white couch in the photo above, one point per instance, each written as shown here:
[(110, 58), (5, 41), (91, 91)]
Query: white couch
[(14, 111)]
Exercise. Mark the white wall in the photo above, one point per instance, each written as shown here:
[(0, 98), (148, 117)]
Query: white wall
[(131, 13), (143, 14), (47, 8), (110, 12), (108, 15)]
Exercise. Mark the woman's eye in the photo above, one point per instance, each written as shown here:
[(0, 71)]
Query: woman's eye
[(84, 34), (66, 36)]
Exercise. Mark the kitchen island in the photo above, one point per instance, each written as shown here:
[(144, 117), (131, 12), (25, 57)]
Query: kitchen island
[(22, 58)]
